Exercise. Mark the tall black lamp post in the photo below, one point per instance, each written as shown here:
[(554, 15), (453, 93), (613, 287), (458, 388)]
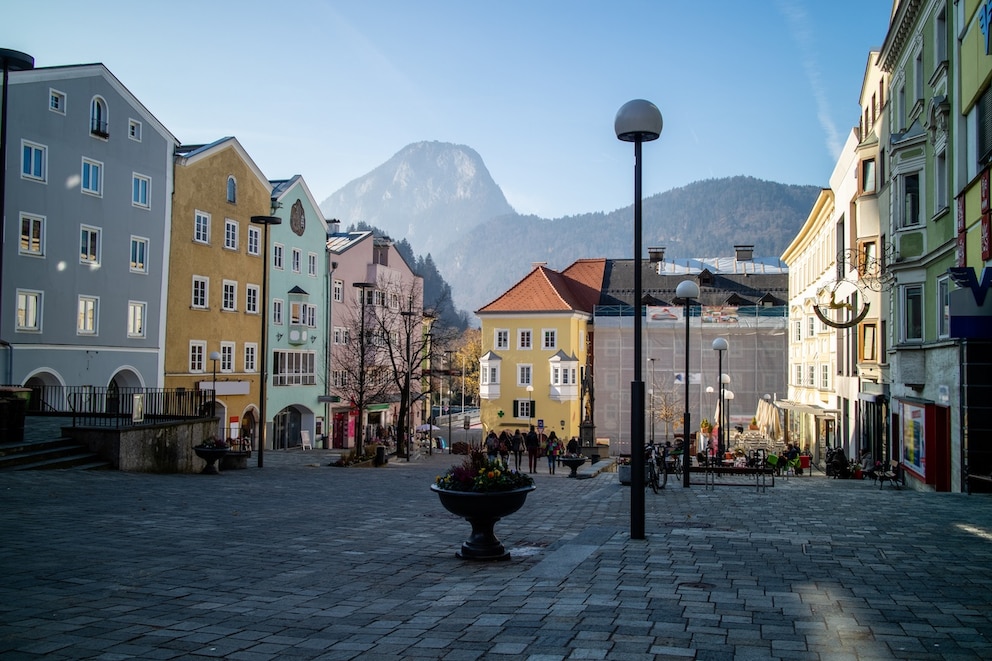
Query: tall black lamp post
[(447, 360), (688, 291), (11, 60), (264, 221), (720, 345), (637, 121), (360, 425), (214, 357), (408, 329)]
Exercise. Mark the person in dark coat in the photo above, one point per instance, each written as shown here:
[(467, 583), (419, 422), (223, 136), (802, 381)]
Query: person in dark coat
[(533, 444), (517, 447)]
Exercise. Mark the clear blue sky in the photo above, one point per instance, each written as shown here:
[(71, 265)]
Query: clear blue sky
[(331, 89)]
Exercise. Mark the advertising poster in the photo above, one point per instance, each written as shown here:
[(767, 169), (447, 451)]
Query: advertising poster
[(913, 454)]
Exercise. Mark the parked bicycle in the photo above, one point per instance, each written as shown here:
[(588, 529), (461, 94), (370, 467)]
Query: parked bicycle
[(654, 461)]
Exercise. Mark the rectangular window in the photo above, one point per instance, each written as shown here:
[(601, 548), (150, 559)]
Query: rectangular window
[(201, 227), (312, 264), (251, 351), (339, 379), (294, 368), (810, 326), (92, 181), (230, 234), (811, 379), (797, 334), (943, 308), (310, 315), (251, 299), (254, 240), (140, 186), (200, 287), (550, 339), (798, 376), (940, 182), (910, 209), (197, 356), (524, 408), (56, 101), (277, 251), (28, 310), (868, 176), (32, 235), (135, 319), (825, 377), (89, 245), (502, 340), (524, 339), (912, 307), (86, 317), (868, 343), (34, 161), (338, 291), (229, 300), (227, 357), (524, 375), (277, 311), (297, 260), (139, 254), (134, 130)]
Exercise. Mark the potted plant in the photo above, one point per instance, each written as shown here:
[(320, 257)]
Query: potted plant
[(705, 426), (482, 493), (754, 424), (210, 450), (623, 469)]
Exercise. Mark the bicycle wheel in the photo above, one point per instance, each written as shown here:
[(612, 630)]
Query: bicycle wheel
[(653, 476), (664, 477), (678, 469)]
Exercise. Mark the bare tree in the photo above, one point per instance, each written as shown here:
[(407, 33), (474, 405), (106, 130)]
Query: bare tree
[(666, 406)]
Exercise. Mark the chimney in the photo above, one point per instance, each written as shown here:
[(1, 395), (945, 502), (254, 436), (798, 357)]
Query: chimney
[(333, 226), (534, 265), (656, 255), (745, 253)]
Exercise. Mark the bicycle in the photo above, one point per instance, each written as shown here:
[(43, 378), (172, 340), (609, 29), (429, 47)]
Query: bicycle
[(674, 466), (651, 460)]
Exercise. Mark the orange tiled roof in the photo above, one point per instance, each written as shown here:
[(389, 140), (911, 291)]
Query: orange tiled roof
[(547, 290)]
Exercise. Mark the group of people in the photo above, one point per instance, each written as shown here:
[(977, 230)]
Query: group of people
[(499, 448)]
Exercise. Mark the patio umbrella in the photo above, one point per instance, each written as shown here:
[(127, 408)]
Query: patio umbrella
[(428, 427)]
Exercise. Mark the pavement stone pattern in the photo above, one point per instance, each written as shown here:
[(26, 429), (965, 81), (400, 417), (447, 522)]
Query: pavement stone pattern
[(300, 560)]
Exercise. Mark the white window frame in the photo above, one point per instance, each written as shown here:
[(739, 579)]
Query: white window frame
[(549, 339), (136, 311), (277, 255), (501, 338), (87, 315), (341, 335), (200, 300), (525, 374), (34, 167), (201, 227), (904, 310), (251, 357), (143, 244), (197, 356), (227, 357), (903, 219), (811, 376), (141, 191), (229, 296), (312, 264), (338, 291), (28, 244), (297, 257), (825, 376), (134, 129), (56, 101), (231, 193), (810, 326), (524, 411), (797, 331), (277, 305), (525, 339), (252, 296), (943, 307), (230, 234), (26, 314), (254, 241), (99, 118), (90, 231), (294, 368), (91, 177), (798, 375)]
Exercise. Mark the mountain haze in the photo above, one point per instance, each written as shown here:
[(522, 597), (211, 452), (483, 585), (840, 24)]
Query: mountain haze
[(441, 199), (428, 193)]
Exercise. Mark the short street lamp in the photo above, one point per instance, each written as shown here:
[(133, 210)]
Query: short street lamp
[(214, 357), (687, 290), (637, 121), (720, 345)]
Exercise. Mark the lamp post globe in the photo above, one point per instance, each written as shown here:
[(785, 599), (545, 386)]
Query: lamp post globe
[(687, 291), (720, 345), (637, 121)]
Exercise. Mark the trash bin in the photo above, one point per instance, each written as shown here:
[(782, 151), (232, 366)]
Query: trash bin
[(12, 412), (380, 455)]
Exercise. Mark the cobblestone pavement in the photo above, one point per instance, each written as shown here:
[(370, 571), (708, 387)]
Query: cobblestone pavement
[(299, 560)]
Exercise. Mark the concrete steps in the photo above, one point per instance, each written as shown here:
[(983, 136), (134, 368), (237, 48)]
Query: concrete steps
[(60, 453)]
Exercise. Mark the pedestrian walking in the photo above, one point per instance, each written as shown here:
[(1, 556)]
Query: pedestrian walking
[(533, 447), (504, 449), (552, 450), (517, 446), (492, 447)]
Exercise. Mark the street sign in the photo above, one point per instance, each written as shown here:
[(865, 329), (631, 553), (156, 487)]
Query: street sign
[(540, 424)]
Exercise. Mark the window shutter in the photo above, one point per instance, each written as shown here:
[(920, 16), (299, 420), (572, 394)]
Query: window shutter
[(533, 409), (516, 408)]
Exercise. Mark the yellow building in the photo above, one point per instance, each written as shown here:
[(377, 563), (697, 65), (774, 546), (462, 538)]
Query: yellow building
[(214, 321), (536, 346)]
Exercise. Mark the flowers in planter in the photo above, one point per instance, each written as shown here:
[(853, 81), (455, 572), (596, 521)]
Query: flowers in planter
[(623, 460), (479, 475), (215, 443)]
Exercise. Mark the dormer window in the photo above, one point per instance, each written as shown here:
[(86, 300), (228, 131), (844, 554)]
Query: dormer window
[(99, 121), (232, 190), (489, 375)]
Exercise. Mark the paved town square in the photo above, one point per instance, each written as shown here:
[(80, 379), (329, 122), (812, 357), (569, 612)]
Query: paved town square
[(299, 560)]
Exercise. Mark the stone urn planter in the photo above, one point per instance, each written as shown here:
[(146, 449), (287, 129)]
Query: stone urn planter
[(211, 456), (573, 464), (482, 510)]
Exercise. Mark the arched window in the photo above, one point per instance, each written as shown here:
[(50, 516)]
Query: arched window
[(232, 190), (99, 125)]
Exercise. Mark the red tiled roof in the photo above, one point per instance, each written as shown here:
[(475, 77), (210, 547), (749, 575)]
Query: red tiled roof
[(547, 290)]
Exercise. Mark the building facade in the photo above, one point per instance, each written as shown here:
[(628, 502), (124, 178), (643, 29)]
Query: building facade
[(88, 208)]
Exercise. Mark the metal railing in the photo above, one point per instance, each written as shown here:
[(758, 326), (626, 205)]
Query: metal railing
[(94, 406)]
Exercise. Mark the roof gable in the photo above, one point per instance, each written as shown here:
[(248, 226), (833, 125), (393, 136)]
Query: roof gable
[(547, 290)]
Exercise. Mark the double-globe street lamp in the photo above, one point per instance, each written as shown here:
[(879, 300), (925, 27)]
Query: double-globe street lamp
[(360, 426), (688, 292), (637, 121), (720, 345), (264, 221), (214, 357)]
